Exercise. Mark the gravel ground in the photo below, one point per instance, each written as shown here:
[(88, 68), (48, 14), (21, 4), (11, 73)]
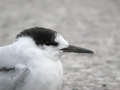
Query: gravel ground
[(93, 24)]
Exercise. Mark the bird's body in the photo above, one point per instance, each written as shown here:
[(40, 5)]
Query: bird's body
[(43, 71), (33, 61)]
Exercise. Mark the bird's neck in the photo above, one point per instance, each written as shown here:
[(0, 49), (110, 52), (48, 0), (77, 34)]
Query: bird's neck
[(25, 42)]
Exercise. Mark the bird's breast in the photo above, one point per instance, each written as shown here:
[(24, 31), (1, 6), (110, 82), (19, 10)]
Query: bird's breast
[(45, 75)]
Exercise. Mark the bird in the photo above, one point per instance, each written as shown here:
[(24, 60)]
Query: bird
[(33, 60)]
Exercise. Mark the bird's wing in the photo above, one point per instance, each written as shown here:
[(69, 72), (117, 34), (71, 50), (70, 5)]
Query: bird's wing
[(12, 73), (6, 69), (22, 74), (13, 78)]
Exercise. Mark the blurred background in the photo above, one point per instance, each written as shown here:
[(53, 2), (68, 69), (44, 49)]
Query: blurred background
[(93, 24)]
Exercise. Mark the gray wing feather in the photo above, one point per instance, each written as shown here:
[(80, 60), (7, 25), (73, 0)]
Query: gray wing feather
[(13, 78)]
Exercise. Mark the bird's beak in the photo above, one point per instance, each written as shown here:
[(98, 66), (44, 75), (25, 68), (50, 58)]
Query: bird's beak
[(76, 49)]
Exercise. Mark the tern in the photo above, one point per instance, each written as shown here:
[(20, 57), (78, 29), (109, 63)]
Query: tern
[(33, 61)]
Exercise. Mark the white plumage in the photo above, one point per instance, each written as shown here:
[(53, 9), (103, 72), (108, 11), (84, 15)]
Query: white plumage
[(34, 69)]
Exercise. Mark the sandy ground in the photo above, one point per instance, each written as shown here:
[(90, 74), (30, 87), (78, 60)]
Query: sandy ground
[(88, 23)]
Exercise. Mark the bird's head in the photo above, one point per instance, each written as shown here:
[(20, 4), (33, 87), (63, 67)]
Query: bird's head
[(49, 40)]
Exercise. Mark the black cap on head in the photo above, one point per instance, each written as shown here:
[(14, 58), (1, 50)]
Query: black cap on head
[(41, 36)]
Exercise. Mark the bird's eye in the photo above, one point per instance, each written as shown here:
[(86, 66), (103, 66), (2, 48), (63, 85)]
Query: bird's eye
[(55, 44), (52, 43), (47, 43)]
